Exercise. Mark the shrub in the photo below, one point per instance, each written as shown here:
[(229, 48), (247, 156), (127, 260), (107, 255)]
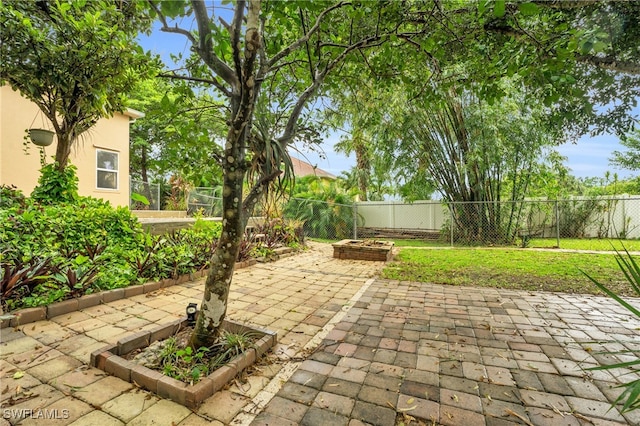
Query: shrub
[(325, 209), (69, 228), (55, 186), (10, 196), (20, 279), (52, 251), (278, 232), (85, 244)]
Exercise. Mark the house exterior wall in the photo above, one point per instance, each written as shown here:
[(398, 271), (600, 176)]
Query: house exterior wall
[(22, 170)]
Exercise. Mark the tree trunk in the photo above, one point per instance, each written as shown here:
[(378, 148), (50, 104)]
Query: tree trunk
[(63, 150), (243, 98), (145, 177), (362, 163), (216, 291)]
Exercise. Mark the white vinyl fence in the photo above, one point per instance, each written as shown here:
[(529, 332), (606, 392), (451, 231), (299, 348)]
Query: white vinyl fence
[(578, 217)]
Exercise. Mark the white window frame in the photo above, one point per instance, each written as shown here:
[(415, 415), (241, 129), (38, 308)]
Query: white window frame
[(116, 171)]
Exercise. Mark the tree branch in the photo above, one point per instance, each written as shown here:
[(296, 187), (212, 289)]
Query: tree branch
[(234, 31), (293, 46), (204, 47), (306, 43), (290, 127), (611, 63), (257, 190), (213, 81), (168, 29)]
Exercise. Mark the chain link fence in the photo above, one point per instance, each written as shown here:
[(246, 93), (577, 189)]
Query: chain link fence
[(508, 222), (151, 191), (322, 219), (466, 223), (205, 201)]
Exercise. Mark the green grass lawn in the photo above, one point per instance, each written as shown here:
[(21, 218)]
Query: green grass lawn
[(565, 243), (416, 243), (508, 268), (585, 244)]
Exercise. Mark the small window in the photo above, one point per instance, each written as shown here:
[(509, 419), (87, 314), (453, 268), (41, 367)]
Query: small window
[(107, 169)]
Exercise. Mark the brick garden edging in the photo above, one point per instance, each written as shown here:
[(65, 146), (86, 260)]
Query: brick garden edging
[(352, 249), (109, 360), (29, 315)]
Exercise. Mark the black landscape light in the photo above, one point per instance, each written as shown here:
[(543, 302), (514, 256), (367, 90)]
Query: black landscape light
[(192, 309)]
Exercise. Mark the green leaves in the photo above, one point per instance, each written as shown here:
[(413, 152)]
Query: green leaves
[(499, 8), (140, 198), (74, 61), (528, 9), (55, 186), (629, 158), (178, 133), (174, 8)]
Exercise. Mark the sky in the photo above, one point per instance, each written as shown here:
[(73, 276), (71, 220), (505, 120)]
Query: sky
[(588, 157)]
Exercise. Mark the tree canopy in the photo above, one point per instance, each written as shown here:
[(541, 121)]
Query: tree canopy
[(75, 60), (271, 61), (630, 158), (258, 51), (175, 137)]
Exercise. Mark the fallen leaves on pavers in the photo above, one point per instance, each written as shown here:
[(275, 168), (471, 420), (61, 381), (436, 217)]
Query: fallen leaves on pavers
[(581, 417), (404, 419), (514, 414), (409, 401), (19, 397)]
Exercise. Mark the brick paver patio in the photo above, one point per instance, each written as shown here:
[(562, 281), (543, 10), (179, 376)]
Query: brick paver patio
[(353, 349)]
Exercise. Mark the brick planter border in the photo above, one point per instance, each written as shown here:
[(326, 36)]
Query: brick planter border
[(109, 360), (351, 249), (29, 315)]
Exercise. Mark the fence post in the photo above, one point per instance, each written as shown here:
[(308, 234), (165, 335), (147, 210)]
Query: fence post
[(355, 221), (557, 224), (452, 222)]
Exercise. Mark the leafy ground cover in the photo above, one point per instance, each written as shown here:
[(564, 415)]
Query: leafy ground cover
[(52, 251), (174, 358), (509, 268)]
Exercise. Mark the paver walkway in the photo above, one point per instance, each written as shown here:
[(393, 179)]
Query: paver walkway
[(296, 296), (462, 356), (394, 352)]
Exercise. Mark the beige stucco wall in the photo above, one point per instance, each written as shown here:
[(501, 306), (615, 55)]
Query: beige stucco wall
[(17, 168)]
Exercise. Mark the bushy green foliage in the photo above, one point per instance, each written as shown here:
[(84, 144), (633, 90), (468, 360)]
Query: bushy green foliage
[(324, 207), (55, 251), (55, 186), (81, 242), (68, 228), (11, 196)]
